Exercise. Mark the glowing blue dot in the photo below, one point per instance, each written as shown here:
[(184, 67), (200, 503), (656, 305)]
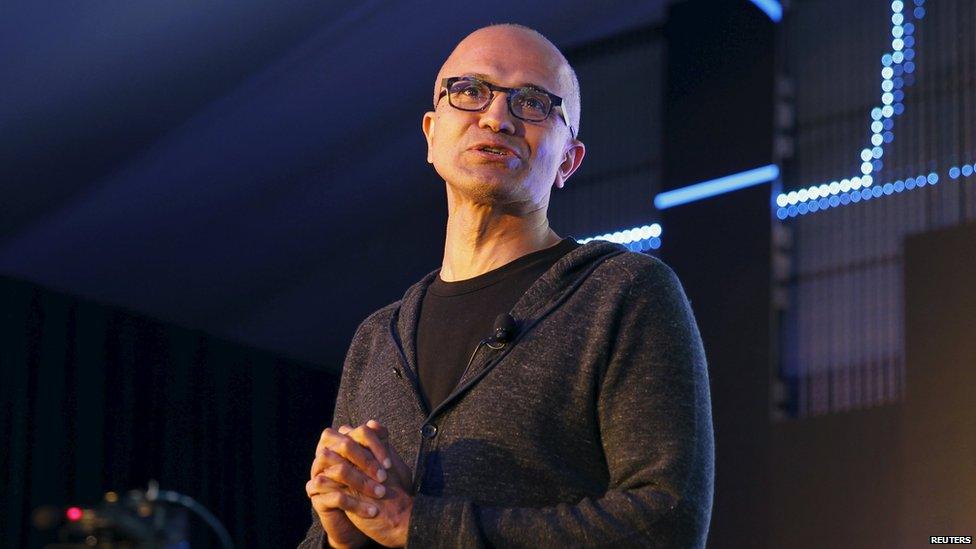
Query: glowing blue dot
[(897, 31), (856, 196), (845, 199), (876, 191), (866, 168), (954, 172), (897, 19), (888, 124), (933, 178), (886, 60), (877, 165), (919, 2), (899, 186), (824, 203), (876, 113), (899, 82), (909, 42), (898, 57), (876, 139), (919, 12), (909, 28), (909, 67), (897, 6), (655, 243), (877, 126), (888, 137), (967, 170), (887, 111), (909, 54), (781, 213), (887, 85), (899, 70), (866, 194), (833, 201), (791, 211), (899, 95), (814, 206), (802, 208), (877, 152), (920, 181), (866, 155), (909, 183), (899, 108)]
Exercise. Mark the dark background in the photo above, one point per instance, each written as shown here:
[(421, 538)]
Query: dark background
[(199, 208)]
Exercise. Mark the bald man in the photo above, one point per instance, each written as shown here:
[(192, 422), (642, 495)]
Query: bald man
[(545, 393)]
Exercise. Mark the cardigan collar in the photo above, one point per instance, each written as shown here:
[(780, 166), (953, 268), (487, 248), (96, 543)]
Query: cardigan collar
[(543, 295)]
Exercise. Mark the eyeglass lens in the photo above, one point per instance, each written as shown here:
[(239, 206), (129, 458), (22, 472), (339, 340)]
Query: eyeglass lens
[(526, 103)]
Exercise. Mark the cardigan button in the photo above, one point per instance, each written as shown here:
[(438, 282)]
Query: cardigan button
[(429, 430)]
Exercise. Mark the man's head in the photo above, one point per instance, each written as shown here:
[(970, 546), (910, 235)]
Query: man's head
[(463, 145)]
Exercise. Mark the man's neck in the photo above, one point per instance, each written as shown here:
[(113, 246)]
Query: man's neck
[(480, 238)]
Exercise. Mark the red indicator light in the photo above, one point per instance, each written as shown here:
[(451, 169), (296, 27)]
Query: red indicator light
[(73, 514)]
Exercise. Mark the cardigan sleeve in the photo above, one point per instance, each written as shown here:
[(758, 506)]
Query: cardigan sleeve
[(654, 413), (315, 538)]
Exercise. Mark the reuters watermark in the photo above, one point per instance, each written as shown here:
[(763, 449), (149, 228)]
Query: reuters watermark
[(951, 539)]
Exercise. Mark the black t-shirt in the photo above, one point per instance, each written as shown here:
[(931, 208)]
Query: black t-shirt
[(455, 316)]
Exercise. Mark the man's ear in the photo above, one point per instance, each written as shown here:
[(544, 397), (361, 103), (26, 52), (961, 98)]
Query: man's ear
[(572, 158), (428, 126)]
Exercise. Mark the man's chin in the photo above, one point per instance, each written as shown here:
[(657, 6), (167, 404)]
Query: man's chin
[(487, 188)]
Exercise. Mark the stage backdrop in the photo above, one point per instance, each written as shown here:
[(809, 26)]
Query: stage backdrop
[(95, 399)]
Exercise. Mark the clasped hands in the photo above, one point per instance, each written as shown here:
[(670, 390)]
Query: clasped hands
[(359, 487)]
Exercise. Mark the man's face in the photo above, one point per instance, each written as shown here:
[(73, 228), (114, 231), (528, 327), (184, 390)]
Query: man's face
[(535, 155)]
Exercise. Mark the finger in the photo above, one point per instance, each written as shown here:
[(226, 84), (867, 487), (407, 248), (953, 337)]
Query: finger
[(340, 500), (324, 458), (355, 453), (369, 438), (347, 475), (321, 484), (381, 431)]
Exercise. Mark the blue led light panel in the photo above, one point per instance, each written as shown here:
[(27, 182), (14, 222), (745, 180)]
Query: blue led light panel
[(883, 89)]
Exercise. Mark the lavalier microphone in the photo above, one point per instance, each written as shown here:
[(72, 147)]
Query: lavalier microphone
[(505, 328)]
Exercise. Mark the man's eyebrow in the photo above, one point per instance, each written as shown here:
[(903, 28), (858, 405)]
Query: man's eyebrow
[(481, 76)]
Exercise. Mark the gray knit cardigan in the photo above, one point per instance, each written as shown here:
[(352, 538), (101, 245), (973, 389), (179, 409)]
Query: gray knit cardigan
[(592, 428)]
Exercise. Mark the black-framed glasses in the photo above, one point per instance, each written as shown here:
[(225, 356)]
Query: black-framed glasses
[(528, 103)]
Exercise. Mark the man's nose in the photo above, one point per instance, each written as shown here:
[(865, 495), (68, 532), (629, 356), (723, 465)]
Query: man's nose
[(496, 117)]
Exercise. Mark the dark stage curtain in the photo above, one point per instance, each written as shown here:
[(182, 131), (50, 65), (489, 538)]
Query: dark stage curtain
[(95, 399)]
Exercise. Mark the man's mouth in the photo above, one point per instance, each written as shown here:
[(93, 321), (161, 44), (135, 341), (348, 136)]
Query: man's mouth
[(495, 150)]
